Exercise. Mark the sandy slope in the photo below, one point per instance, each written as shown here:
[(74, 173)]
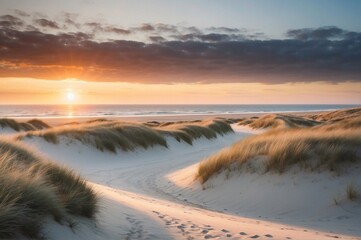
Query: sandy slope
[(143, 197)]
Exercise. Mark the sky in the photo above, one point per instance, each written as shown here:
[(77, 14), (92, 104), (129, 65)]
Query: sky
[(180, 52)]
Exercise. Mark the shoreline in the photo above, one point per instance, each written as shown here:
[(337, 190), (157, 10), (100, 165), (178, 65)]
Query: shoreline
[(54, 121)]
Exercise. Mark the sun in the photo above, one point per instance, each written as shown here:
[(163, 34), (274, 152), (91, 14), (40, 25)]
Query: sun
[(70, 96)]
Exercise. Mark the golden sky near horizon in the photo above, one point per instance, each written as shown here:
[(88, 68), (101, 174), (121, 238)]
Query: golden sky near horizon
[(35, 91)]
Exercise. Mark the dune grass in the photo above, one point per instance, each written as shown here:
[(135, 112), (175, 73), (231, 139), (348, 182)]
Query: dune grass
[(310, 148), (352, 123), (105, 136), (33, 189), (339, 115), (284, 121), (188, 131), (34, 124), (113, 135), (351, 192), (279, 121)]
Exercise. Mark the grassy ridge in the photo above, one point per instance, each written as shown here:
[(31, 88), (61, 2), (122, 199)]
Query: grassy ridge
[(188, 131), (31, 125), (284, 121), (33, 188), (339, 115), (279, 121), (113, 135), (327, 145)]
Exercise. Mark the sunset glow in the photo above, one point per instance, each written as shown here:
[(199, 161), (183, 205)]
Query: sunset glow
[(145, 57), (70, 96)]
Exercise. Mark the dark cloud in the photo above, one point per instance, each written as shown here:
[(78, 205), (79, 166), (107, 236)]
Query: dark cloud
[(70, 20), (157, 39), (10, 21), (98, 27), (166, 28), (224, 29), (193, 30), (95, 26), (323, 33), (211, 37), (117, 30), (206, 58), (42, 22)]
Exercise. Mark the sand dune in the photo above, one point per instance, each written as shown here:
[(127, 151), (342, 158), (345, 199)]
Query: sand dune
[(153, 193), (146, 204), (110, 135), (282, 121)]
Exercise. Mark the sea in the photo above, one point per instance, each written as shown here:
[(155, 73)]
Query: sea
[(103, 111)]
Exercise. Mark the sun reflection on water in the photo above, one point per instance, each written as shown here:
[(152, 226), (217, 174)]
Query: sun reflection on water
[(70, 112)]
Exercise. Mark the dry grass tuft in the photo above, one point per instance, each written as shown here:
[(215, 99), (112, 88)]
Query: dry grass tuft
[(350, 117), (33, 188), (113, 135), (313, 147), (106, 135), (352, 123), (188, 131), (279, 121), (351, 192), (31, 125), (38, 124), (339, 115)]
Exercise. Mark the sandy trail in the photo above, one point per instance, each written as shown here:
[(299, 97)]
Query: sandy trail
[(139, 202)]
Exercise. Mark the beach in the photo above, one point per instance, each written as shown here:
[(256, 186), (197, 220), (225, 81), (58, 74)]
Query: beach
[(153, 192), (55, 121)]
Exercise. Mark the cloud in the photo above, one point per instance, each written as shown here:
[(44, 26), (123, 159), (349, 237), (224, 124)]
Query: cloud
[(161, 27), (98, 27), (116, 30), (193, 57), (10, 21), (145, 27), (211, 37), (42, 22), (70, 20), (323, 33), (21, 13), (156, 38), (224, 29)]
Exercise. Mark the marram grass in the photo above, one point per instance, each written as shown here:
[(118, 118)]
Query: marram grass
[(310, 148), (33, 188), (30, 125), (113, 135)]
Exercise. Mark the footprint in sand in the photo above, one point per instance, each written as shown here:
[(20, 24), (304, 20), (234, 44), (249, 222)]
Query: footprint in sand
[(136, 231), (255, 236), (182, 226), (268, 235), (332, 236), (209, 236), (243, 233)]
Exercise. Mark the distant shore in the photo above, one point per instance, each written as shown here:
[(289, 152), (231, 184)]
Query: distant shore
[(54, 121)]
